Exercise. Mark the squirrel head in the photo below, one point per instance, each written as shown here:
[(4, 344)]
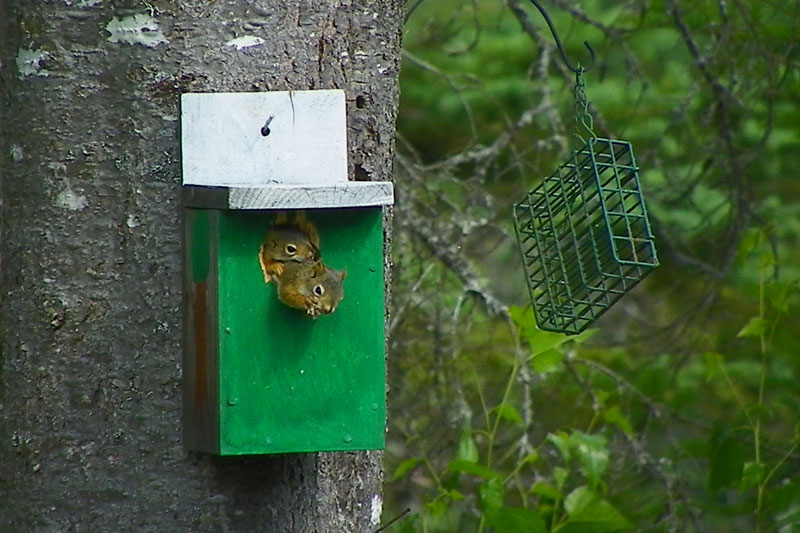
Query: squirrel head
[(327, 287), (288, 243), (311, 286)]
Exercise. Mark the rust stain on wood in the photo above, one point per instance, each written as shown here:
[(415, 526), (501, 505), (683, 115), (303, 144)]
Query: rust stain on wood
[(201, 350)]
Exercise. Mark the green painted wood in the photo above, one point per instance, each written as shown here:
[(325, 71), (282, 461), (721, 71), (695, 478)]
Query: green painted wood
[(288, 383)]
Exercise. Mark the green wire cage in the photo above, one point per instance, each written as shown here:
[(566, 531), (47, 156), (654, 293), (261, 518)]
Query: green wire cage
[(583, 233), (584, 236)]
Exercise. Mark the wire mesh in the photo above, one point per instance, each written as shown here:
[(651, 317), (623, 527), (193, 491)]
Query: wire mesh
[(584, 236)]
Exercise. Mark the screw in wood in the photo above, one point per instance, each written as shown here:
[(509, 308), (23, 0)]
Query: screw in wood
[(265, 127)]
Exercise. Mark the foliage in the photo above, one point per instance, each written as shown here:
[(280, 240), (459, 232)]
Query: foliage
[(679, 412)]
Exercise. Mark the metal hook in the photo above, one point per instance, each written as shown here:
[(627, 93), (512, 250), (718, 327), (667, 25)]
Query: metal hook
[(561, 48)]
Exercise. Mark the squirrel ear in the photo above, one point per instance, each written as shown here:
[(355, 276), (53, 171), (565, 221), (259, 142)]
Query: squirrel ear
[(303, 224), (343, 273), (281, 218), (318, 268)]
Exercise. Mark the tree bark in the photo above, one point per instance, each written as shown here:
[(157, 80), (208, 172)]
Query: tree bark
[(90, 250)]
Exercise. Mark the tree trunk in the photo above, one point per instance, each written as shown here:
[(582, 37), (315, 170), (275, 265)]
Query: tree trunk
[(91, 284)]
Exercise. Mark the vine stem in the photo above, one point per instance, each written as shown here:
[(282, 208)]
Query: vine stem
[(515, 334), (507, 392), (762, 379)]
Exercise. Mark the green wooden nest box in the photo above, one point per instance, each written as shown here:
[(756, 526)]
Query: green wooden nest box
[(260, 377), (584, 236)]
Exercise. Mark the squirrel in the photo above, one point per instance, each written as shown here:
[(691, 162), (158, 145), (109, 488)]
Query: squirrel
[(311, 286), (285, 243)]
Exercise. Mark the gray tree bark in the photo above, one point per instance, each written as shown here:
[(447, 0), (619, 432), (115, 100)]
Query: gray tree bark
[(91, 285)]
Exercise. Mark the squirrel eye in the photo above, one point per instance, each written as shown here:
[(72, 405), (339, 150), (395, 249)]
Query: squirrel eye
[(291, 249), (319, 290)]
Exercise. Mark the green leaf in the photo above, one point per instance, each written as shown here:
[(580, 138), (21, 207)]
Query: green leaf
[(766, 261), (613, 415), (490, 495), (751, 238), (559, 440), (579, 499), (778, 295), (592, 452), (531, 457), (752, 475), (546, 491), (726, 459), (437, 507), (468, 467), (754, 328), (467, 451), (589, 513), (788, 517), (525, 319), (522, 317), (546, 341), (540, 341), (696, 448), (601, 396), (785, 501), (545, 362), (584, 336), (405, 467), (560, 475), (454, 495), (507, 412), (515, 520), (712, 362)]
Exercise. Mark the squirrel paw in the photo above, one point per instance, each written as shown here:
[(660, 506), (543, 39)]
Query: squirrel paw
[(276, 268), (312, 309), (270, 269)]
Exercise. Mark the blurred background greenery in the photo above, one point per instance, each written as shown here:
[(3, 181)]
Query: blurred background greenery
[(680, 411)]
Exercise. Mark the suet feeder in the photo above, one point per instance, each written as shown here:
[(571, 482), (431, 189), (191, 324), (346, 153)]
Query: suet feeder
[(584, 233), (260, 377)]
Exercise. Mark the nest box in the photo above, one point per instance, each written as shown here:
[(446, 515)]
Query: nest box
[(261, 377)]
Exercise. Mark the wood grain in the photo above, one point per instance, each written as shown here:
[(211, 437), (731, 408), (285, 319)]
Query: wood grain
[(286, 196)]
